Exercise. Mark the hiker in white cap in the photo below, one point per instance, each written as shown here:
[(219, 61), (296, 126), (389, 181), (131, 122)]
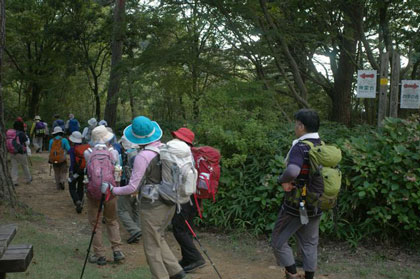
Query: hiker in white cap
[(37, 133), (101, 161), (87, 131), (59, 147), (77, 169)]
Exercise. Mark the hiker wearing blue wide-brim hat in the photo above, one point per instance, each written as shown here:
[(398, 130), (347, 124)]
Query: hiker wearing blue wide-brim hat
[(143, 131)]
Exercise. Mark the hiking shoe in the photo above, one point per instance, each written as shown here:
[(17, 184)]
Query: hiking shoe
[(134, 238), (97, 260), (15, 184), (193, 266), (292, 276), (62, 185), (79, 207), (118, 256), (29, 181), (179, 275)]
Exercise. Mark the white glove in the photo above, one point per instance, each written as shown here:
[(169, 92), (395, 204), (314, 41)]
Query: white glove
[(105, 186)]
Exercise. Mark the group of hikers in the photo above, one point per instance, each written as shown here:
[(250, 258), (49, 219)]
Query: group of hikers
[(148, 185)]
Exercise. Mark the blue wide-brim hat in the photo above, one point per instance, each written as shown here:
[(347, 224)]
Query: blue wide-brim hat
[(143, 131)]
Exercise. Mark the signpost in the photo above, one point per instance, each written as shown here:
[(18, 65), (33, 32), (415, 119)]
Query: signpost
[(366, 84), (410, 94)]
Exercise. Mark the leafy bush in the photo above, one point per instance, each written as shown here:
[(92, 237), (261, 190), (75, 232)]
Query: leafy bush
[(381, 189)]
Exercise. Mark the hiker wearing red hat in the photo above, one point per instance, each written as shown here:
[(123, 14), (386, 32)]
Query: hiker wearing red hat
[(191, 257)]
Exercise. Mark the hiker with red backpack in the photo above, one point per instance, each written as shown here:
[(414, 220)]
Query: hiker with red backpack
[(58, 148), (16, 147), (37, 133), (101, 163), (191, 257), (155, 212), (77, 169)]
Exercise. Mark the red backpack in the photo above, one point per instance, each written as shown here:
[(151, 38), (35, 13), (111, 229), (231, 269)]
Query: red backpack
[(79, 156), (207, 161)]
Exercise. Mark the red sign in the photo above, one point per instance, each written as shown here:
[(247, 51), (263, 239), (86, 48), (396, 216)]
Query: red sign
[(414, 86), (367, 76)]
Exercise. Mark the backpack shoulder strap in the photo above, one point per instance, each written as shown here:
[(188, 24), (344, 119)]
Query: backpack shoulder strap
[(307, 142), (153, 148)]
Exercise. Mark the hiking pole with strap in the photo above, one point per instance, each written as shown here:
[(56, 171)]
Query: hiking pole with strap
[(201, 247), (93, 232)]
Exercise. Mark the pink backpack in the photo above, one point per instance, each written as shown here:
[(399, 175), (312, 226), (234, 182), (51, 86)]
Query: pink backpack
[(100, 168), (13, 144)]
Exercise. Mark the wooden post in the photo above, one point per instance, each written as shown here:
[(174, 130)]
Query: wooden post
[(383, 86), (395, 80)]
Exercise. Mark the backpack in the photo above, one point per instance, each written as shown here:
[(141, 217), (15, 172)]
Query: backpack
[(60, 123), (207, 161), (100, 168), (324, 161), (73, 125), (128, 157), (13, 144), (39, 129), (57, 154), (79, 156), (179, 176)]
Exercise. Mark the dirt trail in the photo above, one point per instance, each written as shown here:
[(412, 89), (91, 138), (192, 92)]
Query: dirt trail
[(62, 218)]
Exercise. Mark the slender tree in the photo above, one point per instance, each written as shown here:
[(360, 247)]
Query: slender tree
[(7, 192)]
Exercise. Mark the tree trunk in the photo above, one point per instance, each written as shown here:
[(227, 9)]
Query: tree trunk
[(34, 100), (7, 192), (97, 102), (115, 76), (343, 79)]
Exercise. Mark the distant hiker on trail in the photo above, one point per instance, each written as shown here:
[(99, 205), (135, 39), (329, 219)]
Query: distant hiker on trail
[(59, 123), (16, 147), (101, 160), (191, 257), (59, 147), (155, 215), (72, 125), (87, 131), (77, 169), (38, 131), (129, 205), (297, 216), (46, 137)]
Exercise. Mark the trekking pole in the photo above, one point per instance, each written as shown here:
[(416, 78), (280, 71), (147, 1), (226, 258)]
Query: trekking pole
[(93, 233), (50, 168), (201, 247)]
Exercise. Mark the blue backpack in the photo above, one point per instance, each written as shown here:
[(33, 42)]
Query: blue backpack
[(59, 123), (73, 125)]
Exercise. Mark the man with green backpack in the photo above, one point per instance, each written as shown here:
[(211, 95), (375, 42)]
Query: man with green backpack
[(311, 182)]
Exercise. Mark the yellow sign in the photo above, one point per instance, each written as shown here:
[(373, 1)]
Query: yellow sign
[(384, 81)]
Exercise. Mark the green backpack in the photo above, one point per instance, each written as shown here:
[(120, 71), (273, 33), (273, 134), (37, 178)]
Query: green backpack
[(324, 160)]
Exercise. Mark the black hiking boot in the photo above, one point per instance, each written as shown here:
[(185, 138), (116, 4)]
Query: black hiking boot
[(79, 207), (193, 266), (118, 256), (97, 260), (134, 238)]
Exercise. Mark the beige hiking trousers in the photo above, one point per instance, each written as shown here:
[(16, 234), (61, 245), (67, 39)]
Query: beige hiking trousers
[(60, 174), (111, 223), (22, 160), (154, 218)]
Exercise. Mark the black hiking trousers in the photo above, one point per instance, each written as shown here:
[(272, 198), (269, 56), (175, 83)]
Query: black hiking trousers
[(183, 236), (76, 189)]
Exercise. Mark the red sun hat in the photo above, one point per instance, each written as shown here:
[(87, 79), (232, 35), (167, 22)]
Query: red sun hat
[(184, 134)]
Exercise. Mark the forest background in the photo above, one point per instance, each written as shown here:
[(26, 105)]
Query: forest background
[(234, 72)]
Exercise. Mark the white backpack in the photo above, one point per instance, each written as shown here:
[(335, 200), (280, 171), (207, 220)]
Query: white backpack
[(179, 176)]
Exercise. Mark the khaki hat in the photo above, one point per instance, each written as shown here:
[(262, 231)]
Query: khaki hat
[(92, 122), (128, 144), (37, 117), (101, 135)]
